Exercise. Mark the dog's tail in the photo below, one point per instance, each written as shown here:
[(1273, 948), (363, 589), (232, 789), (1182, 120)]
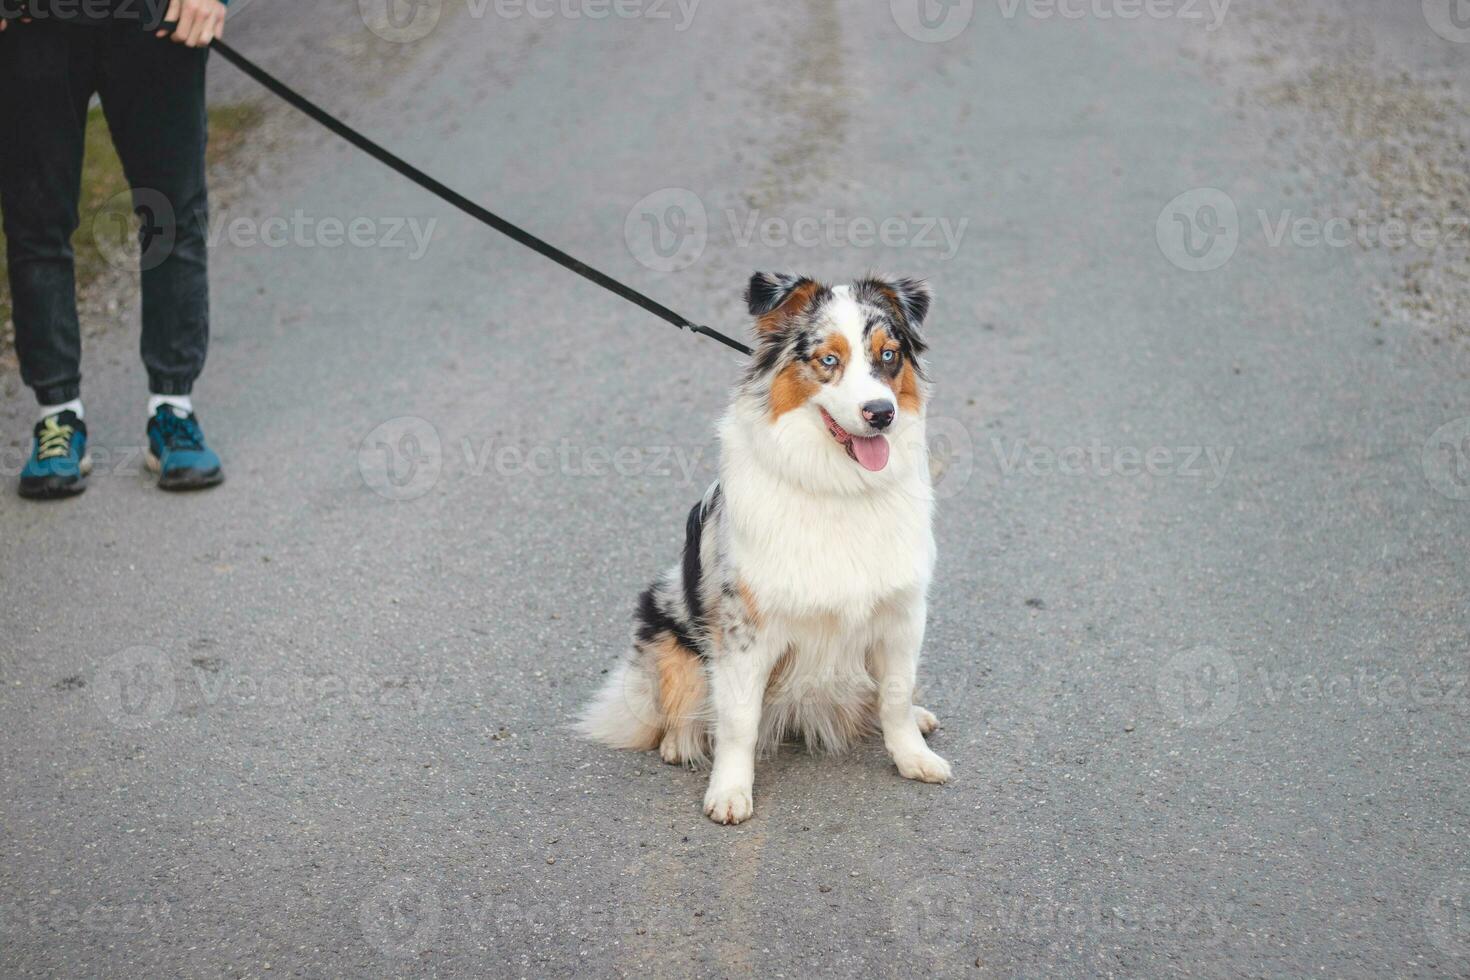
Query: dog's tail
[(625, 713)]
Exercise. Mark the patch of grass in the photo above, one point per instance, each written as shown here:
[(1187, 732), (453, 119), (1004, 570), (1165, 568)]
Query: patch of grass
[(228, 127), (108, 228)]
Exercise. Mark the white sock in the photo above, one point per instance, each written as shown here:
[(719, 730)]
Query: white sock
[(75, 405), (179, 403)]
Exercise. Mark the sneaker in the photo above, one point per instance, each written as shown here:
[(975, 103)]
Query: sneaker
[(59, 463), (177, 453)]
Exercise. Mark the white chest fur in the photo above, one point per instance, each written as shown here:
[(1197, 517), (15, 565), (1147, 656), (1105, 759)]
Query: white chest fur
[(806, 554)]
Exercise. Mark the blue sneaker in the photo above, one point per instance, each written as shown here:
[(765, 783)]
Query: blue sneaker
[(177, 453), (59, 463)]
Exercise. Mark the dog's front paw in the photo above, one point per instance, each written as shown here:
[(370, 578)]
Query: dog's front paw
[(728, 804), (926, 720), (923, 764)]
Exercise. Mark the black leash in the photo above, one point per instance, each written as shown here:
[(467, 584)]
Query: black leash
[(465, 204)]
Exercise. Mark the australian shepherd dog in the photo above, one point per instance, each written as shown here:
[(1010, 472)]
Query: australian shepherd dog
[(798, 606)]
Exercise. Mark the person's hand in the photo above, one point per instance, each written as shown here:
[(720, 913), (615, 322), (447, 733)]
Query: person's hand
[(5, 23), (199, 22)]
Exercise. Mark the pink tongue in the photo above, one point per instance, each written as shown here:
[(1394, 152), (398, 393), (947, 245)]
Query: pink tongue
[(871, 452)]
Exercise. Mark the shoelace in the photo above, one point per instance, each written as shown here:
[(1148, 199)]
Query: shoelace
[(54, 439), (179, 433)]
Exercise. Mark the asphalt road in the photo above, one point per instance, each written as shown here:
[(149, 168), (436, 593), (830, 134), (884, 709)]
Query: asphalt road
[(1199, 639)]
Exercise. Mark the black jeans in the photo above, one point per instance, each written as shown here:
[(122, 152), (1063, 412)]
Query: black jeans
[(152, 93)]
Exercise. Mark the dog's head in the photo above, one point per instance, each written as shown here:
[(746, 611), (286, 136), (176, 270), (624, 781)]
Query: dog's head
[(840, 362)]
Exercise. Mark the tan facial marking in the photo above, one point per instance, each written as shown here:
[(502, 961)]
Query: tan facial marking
[(877, 340), (905, 384), (799, 380), (834, 344), (906, 389), (790, 389)]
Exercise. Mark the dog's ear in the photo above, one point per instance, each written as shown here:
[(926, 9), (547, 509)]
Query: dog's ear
[(767, 290), (772, 297), (914, 297), (908, 299)]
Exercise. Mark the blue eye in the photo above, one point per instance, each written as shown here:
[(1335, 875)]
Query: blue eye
[(889, 356), (830, 360)]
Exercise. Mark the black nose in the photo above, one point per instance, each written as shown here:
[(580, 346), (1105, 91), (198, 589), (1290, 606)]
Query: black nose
[(878, 413)]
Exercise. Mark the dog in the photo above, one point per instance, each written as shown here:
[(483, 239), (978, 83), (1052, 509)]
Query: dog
[(799, 605)]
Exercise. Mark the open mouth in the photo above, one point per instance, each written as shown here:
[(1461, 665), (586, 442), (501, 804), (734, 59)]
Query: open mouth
[(870, 452)]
